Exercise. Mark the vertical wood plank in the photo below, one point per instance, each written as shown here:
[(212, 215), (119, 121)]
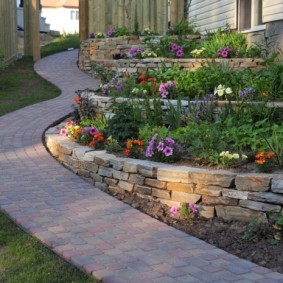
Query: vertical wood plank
[(35, 30), (83, 19), (27, 29)]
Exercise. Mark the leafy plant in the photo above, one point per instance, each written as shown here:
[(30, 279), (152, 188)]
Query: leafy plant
[(126, 122), (187, 210)]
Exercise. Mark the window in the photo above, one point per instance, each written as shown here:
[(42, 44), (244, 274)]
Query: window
[(250, 15), (74, 15)]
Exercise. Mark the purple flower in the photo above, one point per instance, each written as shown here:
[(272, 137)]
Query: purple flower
[(111, 32), (168, 151), (160, 146), (170, 141), (180, 53), (86, 129), (193, 207), (63, 132), (174, 210), (174, 47), (93, 131), (118, 86), (149, 152), (92, 35)]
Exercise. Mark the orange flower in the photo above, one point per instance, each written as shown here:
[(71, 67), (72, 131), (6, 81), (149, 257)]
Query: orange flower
[(78, 132), (92, 143), (260, 154), (270, 154), (129, 144), (138, 142), (260, 161), (126, 152), (77, 99)]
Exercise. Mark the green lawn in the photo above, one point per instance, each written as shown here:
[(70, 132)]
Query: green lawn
[(23, 259), (21, 86)]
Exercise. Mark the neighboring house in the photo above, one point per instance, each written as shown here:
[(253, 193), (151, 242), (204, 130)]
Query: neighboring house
[(253, 17), (61, 15)]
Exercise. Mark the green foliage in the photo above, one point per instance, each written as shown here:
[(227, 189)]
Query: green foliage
[(256, 230), (61, 43), (147, 131), (112, 145), (183, 28), (99, 71), (122, 31), (224, 37), (125, 123), (99, 122)]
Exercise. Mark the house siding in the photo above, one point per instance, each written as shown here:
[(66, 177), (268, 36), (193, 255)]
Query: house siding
[(272, 10), (212, 15)]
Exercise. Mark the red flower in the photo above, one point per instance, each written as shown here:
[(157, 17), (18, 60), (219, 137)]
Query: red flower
[(142, 77), (126, 152), (77, 99)]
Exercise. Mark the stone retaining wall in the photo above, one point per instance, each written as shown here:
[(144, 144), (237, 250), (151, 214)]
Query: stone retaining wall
[(217, 192), (100, 51)]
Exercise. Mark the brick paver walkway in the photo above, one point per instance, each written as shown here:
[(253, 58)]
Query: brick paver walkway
[(87, 227)]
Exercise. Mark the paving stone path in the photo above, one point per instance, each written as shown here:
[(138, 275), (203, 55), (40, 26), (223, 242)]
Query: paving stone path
[(87, 227)]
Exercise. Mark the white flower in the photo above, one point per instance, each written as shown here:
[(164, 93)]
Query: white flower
[(244, 156), (228, 90), (145, 91), (220, 92), (236, 156)]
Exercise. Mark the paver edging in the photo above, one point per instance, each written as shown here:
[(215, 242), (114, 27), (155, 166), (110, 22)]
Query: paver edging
[(218, 193)]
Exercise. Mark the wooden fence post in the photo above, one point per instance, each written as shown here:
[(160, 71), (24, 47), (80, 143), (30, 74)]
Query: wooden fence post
[(83, 19), (31, 29)]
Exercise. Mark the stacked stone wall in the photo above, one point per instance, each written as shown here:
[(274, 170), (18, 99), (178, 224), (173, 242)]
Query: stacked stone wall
[(100, 51), (218, 193)]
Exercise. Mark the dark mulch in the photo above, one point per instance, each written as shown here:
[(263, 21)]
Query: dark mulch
[(252, 241)]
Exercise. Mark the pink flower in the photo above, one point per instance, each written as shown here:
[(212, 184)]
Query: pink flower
[(63, 132), (224, 53), (180, 53), (160, 146), (174, 210), (175, 47)]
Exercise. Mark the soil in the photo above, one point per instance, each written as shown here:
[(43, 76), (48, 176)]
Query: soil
[(252, 241)]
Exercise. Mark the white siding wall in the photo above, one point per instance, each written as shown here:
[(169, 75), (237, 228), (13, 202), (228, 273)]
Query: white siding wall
[(60, 20), (272, 10), (212, 14)]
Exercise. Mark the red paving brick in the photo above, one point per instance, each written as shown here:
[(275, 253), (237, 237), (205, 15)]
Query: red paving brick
[(84, 225)]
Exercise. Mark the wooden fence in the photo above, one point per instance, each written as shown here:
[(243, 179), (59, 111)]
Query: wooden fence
[(8, 29), (153, 14)]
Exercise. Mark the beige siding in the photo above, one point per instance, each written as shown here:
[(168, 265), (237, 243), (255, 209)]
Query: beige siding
[(8, 28), (210, 15), (272, 10)]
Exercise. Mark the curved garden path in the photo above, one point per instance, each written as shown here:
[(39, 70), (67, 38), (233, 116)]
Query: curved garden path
[(87, 227)]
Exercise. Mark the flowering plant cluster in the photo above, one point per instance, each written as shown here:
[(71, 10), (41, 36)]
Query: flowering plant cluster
[(178, 50), (149, 85), (226, 52), (228, 159), (247, 92), (221, 90), (136, 52), (165, 149), (148, 54), (166, 88), (92, 35), (148, 31), (265, 161), (197, 53), (134, 148), (111, 32), (98, 139), (112, 84), (186, 211)]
